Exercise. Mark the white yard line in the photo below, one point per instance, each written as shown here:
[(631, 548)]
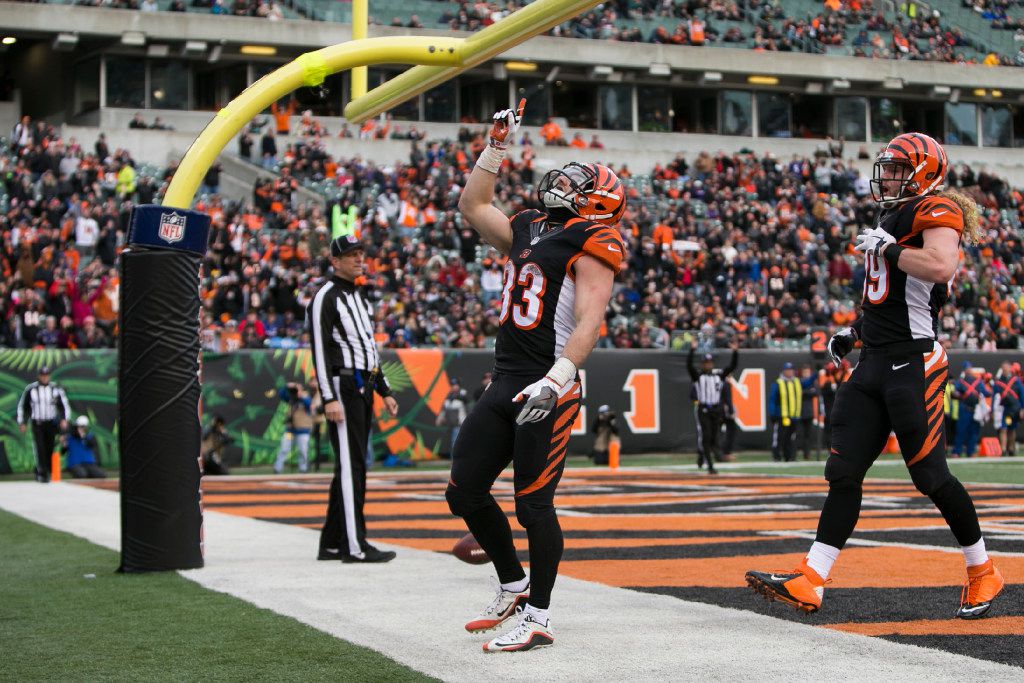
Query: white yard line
[(412, 610)]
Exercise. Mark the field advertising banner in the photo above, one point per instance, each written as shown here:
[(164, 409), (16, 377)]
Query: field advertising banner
[(648, 390)]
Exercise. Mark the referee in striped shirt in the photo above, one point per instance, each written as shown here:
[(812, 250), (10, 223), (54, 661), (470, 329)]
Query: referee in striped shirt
[(46, 407), (708, 385), (348, 373)]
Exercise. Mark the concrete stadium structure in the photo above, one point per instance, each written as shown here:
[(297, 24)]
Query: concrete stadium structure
[(101, 66)]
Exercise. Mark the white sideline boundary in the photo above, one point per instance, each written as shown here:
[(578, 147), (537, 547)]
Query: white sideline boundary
[(412, 610)]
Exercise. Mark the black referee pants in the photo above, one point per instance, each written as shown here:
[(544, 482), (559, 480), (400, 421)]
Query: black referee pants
[(44, 436), (709, 426), (344, 530)]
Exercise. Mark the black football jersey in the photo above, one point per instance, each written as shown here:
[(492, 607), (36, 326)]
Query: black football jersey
[(539, 290), (899, 307)]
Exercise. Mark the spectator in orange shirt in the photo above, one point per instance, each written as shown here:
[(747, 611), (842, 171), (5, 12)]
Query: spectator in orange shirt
[(230, 337), (282, 116), (578, 142), (552, 133)]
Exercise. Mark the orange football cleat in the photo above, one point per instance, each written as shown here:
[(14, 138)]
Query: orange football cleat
[(801, 588), (984, 583)]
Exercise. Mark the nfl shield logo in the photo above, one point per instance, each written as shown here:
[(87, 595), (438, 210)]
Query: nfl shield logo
[(172, 227)]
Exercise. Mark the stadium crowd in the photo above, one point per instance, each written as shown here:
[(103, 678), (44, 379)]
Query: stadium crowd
[(911, 34), (722, 246)]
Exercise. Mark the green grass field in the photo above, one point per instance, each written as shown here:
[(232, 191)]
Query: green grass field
[(57, 624)]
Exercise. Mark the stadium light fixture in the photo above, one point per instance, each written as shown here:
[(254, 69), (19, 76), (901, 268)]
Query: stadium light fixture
[(258, 50), (9, 40), (762, 80), (954, 96), (158, 50), (525, 67), (997, 93), (941, 91), (194, 47), (980, 92), (893, 84), (214, 55), (814, 88), (553, 74), (133, 38), (840, 84), (601, 71), (65, 42), (500, 72), (711, 77), (659, 69)]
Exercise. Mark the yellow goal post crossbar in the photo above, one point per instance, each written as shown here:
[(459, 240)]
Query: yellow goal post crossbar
[(309, 69), (437, 59), (489, 42)]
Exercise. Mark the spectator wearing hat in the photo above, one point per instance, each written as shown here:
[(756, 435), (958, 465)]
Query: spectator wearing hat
[(784, 406), (45, 406), (80, 449), (453, 410)]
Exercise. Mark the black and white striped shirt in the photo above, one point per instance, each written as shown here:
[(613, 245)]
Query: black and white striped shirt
[(709, 389), (43, 402), (708, 385), (340, 332)]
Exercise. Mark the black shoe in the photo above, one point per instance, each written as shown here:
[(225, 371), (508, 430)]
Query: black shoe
[(370, 554), (712, 470), (329, 554)]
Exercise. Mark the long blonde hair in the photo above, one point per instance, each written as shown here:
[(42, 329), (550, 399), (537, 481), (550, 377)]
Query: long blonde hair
[(972, 222)]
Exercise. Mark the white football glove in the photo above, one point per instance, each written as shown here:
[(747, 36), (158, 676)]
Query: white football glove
[(541, 397), (841, 343), (874, 241), (506, 125)]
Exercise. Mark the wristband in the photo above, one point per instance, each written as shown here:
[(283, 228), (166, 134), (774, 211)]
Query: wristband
[(892, 254), (562, 372), (490, 159)]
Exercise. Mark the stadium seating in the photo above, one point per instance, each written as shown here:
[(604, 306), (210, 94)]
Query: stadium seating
[(981, 35)]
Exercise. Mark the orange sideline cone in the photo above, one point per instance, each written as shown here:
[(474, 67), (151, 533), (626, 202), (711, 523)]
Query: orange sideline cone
[(614, 446), (55, 466)]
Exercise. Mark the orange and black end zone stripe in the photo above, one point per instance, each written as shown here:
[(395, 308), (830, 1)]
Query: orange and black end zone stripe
[(693, 538)]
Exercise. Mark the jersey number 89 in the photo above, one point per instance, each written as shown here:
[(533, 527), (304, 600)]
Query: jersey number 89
[(876, 279), (525, 315)]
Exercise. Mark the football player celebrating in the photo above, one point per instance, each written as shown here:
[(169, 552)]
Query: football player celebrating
[(910, 257), (557, 283)]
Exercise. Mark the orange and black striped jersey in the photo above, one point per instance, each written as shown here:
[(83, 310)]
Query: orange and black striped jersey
[(539, 290), (898, 307)]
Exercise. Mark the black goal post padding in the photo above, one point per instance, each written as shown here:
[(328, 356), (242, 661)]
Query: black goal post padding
[(159, 431)]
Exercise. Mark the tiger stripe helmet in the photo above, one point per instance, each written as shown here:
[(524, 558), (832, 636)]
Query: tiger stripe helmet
[(912, 162), (591, 191)]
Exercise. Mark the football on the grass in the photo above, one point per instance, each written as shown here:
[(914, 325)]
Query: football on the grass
[(468, 550)]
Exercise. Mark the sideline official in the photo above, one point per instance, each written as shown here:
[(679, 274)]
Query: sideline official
[(348, 373), (708, 386), (46, 407)]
